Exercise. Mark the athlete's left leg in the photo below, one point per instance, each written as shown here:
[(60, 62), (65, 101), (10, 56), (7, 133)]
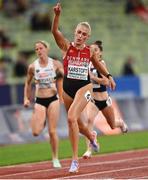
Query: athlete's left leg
[(53, 117)]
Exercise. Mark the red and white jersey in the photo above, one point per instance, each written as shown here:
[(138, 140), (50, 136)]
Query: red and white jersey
[(76, 63)]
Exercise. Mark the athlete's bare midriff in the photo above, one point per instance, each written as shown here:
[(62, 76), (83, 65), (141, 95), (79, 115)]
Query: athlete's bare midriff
[(44, 93), (100, 95)]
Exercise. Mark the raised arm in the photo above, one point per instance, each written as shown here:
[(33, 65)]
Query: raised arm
[(61, 41)]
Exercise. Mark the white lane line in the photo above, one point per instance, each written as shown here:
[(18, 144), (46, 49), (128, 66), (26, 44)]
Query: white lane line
[(142, 177), (105, 172), (82, 165)]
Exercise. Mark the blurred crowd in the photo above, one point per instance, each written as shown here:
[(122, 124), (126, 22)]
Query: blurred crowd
[(138, 8), (39, 21)]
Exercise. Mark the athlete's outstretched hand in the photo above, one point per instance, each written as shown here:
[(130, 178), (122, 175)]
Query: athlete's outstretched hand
[(57, 9)]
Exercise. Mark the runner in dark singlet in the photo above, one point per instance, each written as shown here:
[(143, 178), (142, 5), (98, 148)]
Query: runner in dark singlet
[(102, 100)]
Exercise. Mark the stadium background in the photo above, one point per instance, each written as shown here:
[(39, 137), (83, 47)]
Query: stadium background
[(122, 34)]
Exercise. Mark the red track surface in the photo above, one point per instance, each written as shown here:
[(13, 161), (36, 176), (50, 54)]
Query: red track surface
[(123, 165)]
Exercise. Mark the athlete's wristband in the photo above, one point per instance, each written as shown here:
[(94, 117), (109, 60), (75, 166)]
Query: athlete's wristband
[(108, 75)]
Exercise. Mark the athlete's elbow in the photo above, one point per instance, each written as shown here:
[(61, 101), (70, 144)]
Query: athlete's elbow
[(53, 31)]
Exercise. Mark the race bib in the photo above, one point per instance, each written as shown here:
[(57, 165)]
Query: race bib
[(109, 101), (87, 96), (45, 83), (77, 72)]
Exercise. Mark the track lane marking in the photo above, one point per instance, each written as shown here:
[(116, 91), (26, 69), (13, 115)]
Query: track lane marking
[(82, 165), (105, 172)]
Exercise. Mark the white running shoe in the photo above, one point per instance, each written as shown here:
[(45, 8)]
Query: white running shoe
[(74, 166), (93, 144), (124, 127), (56, 163), (87, 154)]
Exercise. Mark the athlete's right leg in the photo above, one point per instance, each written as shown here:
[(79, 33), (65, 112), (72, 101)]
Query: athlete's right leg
[(73, 139), (74, 111), (102, 125), (109, 114), (73, 126), (38, 119)]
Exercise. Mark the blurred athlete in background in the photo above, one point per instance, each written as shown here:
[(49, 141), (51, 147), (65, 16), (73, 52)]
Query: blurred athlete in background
[(102, 102), (44, 70)]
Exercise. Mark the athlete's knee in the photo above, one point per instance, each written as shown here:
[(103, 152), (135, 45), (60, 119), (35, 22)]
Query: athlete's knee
[(71, 117), (71, 121), (36, 131), (52, 133)]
